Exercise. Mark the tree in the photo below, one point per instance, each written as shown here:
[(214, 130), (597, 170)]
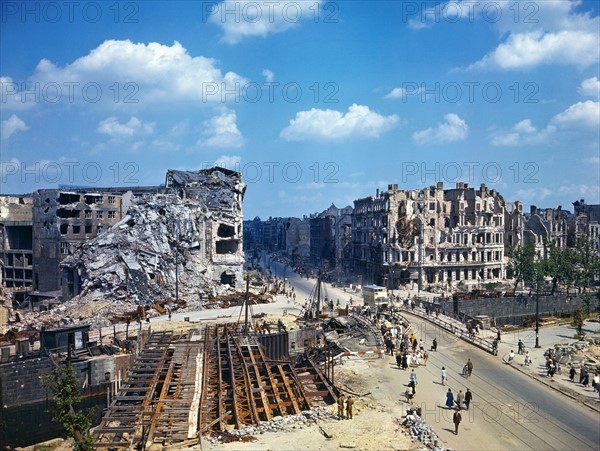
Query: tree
[(64, 387), (522, 264), (578, 320), (559, 264), (587, 261)]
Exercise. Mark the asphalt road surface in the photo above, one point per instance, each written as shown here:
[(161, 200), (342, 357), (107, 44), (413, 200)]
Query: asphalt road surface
[(510, 410)]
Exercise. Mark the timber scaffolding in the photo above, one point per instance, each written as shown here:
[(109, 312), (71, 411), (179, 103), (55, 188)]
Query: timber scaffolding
[(242, 387), (182, 386), (155, 403)]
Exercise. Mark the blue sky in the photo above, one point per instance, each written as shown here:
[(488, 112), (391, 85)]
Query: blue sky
[(314, 102)]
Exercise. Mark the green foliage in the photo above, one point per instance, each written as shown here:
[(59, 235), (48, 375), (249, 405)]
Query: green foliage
[(579, 319), (64, 387), (491, 286), (587, 261), (522, 264)]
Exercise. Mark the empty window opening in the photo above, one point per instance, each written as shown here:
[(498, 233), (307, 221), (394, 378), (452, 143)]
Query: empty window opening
[(67, 198), (76, 229), (92, 199), (225, 231), (66, 213), (88, 229), (64, 228), (228, 278), (227, 247)]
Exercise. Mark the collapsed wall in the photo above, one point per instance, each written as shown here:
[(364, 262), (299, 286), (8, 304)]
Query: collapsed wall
[(181, 244)]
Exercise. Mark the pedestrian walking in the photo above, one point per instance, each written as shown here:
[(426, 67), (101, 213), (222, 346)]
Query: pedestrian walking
[(349, 405), (521, 347), (404, 361), (459, 399), (340, 403), (444, 375), (425, 357), (421, 345), (468, 398), (527, 358), (572, 372), (456, 418), (449, 398), (434, 345), (399, 359), (413, 377), (469, 367)]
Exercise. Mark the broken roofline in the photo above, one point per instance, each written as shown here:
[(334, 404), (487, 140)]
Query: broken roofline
[(178, 177)]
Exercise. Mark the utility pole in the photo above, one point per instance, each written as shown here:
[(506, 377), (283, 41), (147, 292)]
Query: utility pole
[(537, 310), (246, 302)]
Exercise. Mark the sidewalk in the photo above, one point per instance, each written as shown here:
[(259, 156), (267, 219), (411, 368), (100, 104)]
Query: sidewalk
[(548, 337)]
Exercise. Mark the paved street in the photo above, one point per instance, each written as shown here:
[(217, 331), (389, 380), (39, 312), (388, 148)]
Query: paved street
[(510, 410)]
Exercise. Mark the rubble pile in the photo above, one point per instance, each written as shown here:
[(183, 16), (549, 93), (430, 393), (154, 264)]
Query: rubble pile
[(419, 430), (278, 424), (136, 259)]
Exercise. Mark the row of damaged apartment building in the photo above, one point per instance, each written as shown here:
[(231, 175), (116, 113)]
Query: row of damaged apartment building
[(130, 242), (434, 237)]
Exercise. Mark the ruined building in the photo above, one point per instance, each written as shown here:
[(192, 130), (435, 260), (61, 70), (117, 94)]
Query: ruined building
[(432, 236), (125, 243), (63, 218), (16, 246), (179, 243)]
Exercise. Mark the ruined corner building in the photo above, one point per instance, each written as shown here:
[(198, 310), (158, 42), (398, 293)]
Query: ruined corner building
[(183, 240)]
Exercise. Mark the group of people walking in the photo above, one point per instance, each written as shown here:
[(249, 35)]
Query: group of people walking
[(461, 398)]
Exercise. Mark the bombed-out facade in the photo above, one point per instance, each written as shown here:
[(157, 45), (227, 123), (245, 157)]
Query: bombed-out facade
[(432, 236), (49, 239)]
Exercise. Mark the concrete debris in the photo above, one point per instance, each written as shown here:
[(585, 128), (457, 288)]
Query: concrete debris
[(182, 244), (279, 424), (419, 430)]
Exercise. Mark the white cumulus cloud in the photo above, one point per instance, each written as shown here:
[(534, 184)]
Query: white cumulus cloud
[(590, 87), (522, 133), (113, 128), (454, 129), (579, 115), (12, 125), (221, 131), (240, 19), (137, 73), (528, 50), (331, 125)]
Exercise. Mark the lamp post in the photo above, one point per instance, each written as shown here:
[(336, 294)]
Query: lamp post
[(537, 310)]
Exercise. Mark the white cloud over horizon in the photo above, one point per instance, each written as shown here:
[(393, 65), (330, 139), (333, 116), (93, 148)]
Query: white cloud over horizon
[(454, 129), (333, 125), (132, 74)]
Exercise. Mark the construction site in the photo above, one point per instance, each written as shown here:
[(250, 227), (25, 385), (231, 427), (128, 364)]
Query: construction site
[(224, 381)]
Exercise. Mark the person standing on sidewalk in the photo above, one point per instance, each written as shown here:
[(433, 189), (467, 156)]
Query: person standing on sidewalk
[(444, 376), (468, 398), (456, 418), (425, 357)]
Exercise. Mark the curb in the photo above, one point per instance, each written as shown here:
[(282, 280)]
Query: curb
[(574, 397)]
